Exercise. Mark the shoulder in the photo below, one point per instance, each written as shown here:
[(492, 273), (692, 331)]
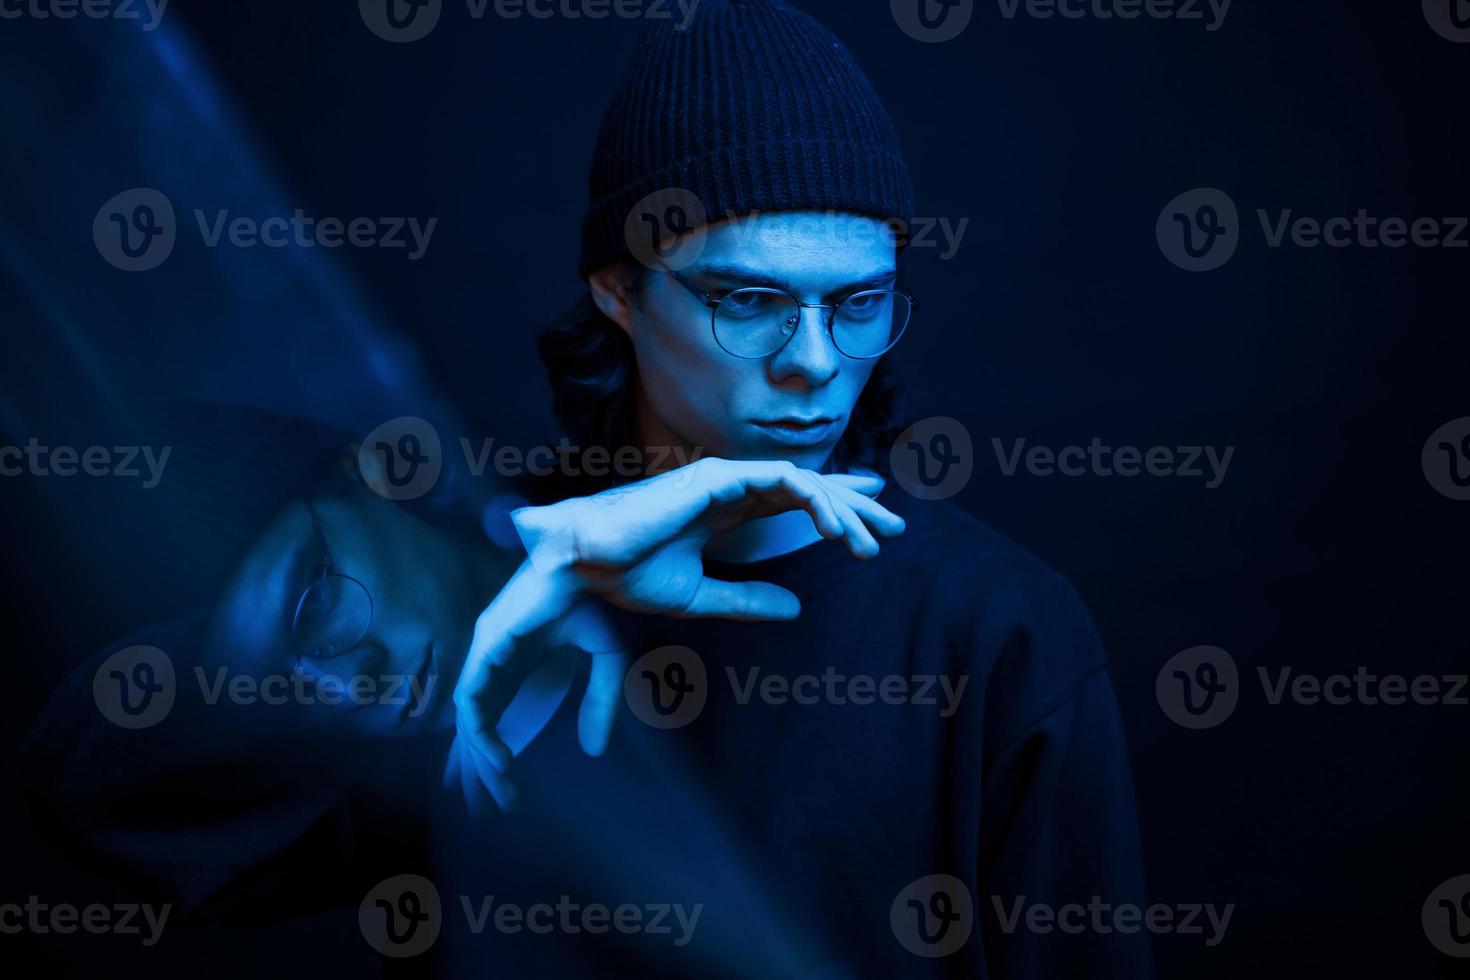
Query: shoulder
[(1009, 618), (974, 565)]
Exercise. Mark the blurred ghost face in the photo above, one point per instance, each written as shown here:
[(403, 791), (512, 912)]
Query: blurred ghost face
[(385, 641), (793, 402)]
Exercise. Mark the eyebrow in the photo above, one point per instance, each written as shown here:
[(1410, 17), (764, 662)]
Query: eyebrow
[(750, 277)]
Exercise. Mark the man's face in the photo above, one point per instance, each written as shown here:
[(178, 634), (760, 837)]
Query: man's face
[(425, 598), (722, 405)]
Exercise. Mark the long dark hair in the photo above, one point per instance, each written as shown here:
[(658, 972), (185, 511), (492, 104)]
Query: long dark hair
[(591, 366)]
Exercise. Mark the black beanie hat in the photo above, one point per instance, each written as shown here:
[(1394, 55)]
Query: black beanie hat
[(753, 107)]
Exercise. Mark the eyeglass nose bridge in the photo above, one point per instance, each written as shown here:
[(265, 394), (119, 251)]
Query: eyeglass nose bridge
[(793, 321)]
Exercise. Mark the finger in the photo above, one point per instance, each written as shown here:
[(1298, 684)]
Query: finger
[(742, 600), (527, 602), (587, 629), (875, 515), (870, 485), (780, 487), (477, 731), (451, 765), (498, 785), (859, 540), (469, 787), (600, 704)]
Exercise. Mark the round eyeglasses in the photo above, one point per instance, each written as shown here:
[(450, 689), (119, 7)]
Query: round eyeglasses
[(755, 321), (334, 611)]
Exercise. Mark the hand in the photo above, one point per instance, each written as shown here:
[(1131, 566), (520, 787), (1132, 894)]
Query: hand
[(520, 665), (640, 546)]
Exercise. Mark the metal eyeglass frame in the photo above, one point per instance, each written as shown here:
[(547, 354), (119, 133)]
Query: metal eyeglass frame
[(713, 302), (327, 570)]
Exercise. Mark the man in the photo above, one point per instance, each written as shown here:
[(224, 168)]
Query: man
[(874, 767)]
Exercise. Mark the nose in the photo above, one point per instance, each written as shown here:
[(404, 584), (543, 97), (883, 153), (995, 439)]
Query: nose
[(809, 355)]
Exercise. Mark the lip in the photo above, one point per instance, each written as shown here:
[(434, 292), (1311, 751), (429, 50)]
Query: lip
[(796, 431)]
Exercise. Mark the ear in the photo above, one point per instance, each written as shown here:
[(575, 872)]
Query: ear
[(612, 292)]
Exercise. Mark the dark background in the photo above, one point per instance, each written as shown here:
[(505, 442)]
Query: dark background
[(1059, 320)]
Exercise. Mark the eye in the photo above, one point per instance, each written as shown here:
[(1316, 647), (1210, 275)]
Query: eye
[(864, 306), (751, 303)]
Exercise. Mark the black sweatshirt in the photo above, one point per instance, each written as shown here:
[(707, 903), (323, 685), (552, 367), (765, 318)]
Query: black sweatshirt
[(943, 709)]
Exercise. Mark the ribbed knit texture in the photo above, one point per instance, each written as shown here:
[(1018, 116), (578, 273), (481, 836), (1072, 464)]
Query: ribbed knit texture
[(755, 107)]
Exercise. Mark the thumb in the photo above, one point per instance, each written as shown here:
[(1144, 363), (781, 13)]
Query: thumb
[(742, 600)]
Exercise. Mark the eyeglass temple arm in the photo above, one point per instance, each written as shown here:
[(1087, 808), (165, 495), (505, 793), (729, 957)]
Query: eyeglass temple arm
[(703, 296)]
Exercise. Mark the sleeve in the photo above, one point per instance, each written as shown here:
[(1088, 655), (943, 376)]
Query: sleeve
[(199, 810), (1060, 871)]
